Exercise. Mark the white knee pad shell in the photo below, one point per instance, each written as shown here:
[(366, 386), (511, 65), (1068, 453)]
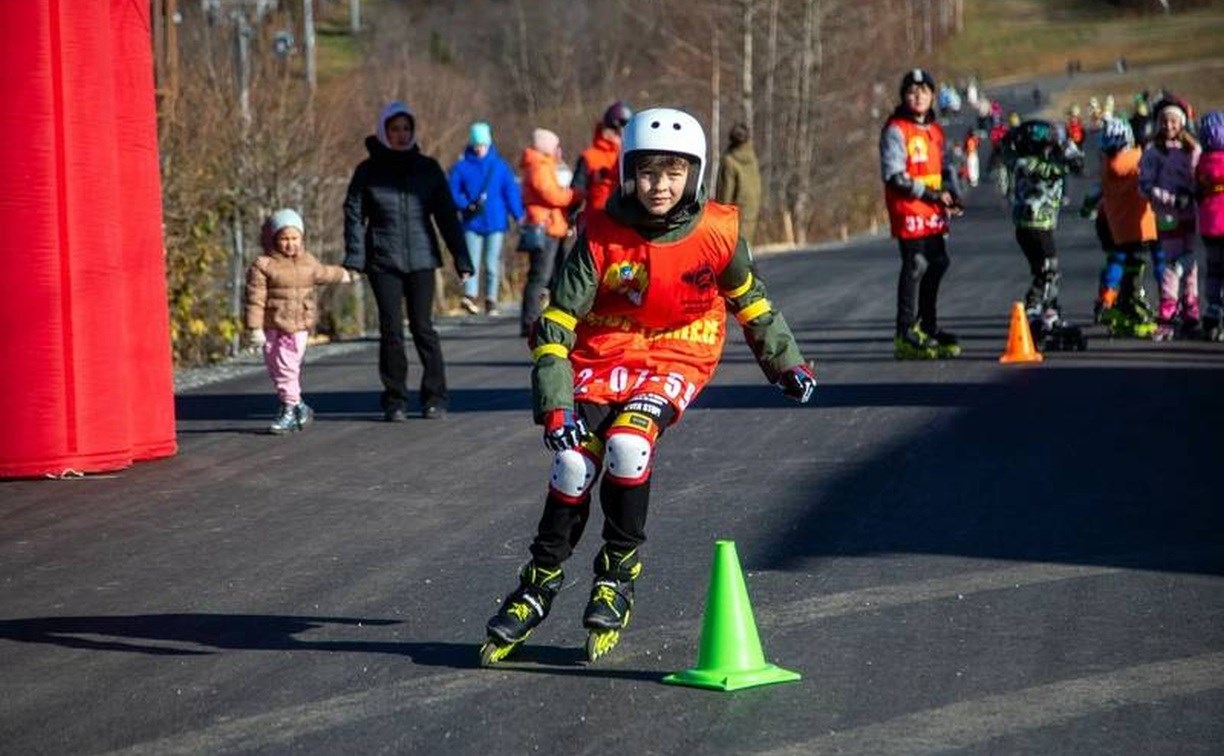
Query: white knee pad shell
[(573, 473), (627, 457)]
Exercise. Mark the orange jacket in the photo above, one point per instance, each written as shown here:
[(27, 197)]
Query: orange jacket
[(544, 198), (1128, 212), (600, 160), (659, 320), (911, 217)]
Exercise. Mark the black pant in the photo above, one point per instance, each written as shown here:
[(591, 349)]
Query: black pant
[(391, 291), (624, 507), (539, 277), (923, 263), (1038, 247)]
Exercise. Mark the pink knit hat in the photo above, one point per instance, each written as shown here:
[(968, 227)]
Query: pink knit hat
[(545, 141)]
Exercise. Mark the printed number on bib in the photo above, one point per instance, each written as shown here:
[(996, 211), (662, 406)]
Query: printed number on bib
[(924, 223), (621, 380)]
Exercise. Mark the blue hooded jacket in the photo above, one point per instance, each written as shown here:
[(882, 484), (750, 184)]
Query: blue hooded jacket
[(502, 196)]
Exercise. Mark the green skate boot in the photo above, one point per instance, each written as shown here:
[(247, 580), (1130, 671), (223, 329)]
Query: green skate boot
[(520, 613), (915, 345), (611, 604), (1118, 322), (946, 345)]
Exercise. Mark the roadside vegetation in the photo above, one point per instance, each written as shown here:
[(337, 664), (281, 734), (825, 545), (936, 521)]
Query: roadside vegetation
[(814, 78)]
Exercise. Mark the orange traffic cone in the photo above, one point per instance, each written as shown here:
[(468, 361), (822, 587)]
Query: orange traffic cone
[(1020, 339)]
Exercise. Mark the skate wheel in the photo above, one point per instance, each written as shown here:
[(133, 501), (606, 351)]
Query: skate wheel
[(492, 652), (600, 642)]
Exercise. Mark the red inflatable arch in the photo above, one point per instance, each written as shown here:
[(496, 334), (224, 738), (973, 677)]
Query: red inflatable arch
[(86, 381)]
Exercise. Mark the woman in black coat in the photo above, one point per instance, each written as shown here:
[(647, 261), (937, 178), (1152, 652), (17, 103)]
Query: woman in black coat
[(388, 236)]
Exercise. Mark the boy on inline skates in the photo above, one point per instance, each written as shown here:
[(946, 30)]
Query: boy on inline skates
[(1040, 169), (634, 331), (920, 193)]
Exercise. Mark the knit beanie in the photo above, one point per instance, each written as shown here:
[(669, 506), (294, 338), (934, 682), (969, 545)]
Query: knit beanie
[(480, 134), (285, 218), (545, 141)]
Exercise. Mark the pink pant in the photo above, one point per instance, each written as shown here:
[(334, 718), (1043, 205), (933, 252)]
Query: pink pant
[(1180, 281), (283, 354)]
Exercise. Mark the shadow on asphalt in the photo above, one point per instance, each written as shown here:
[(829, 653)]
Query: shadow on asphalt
[(196, 634), (205, 634), (1060, 465), (352, 405)]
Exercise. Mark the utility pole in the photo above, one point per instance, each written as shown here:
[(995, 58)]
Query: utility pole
[(308, 36), (354, 16), (242, 54)]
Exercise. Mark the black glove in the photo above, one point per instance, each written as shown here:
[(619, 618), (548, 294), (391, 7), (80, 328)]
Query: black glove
[(563, 430), (798, 383)]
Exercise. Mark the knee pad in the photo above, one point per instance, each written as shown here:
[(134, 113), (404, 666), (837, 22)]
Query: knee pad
[(630, 448), (573, 473)]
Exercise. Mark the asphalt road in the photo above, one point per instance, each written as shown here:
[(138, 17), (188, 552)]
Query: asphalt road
[(958, 557)]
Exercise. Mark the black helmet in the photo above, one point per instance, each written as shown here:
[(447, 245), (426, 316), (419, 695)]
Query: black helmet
[(917, 76), (617, 115), (1034, 137)]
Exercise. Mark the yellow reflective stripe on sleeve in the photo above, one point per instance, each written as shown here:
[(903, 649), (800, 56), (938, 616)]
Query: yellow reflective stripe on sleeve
[(753, 311), (560, 317), (741, 290), (554, 349)]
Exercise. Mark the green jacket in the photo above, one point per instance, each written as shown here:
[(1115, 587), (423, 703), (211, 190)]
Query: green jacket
[(552, 377), (739, 184)]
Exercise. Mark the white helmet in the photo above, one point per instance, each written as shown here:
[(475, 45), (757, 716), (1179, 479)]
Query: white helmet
[(668, 131)]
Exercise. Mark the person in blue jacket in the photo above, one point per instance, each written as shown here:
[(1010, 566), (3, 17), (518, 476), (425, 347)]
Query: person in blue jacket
[(487, 196)]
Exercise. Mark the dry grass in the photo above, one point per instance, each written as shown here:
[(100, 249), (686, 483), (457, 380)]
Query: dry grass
[(1197, 82), (1023, 38)]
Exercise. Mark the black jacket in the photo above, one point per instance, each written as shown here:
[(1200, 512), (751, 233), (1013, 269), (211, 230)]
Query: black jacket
[(390, 201)]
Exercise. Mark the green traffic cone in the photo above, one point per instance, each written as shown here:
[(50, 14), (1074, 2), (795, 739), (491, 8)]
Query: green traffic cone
[(730, 657)]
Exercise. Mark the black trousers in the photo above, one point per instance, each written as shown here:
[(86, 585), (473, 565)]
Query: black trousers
[(923, 264), (1038, 247), (392, 290), (624, 507)]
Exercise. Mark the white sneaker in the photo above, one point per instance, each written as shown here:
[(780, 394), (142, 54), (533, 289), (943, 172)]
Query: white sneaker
[(467, 304)]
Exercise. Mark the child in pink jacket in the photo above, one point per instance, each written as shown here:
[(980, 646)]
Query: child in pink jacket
[(1210, 178)]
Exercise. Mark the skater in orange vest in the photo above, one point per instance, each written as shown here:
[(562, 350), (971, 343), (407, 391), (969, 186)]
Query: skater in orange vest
[(634, 332)]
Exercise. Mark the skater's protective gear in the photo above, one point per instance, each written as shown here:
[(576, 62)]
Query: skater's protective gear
[(574, 472), (1116, 135), (1211, 131), (798, 383), (667, 131), (630, 447), (617, 115), (1033, 138), (563, 429), (919, 77)]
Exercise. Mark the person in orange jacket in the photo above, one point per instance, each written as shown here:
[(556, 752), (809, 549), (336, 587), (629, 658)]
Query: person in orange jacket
[(546, 202), (595, 173), (1121, 304)]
